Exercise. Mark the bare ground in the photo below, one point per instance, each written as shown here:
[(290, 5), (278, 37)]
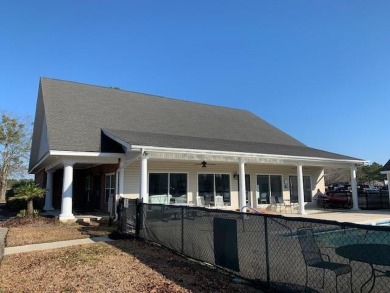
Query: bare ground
[(23, 231), (118, 266)]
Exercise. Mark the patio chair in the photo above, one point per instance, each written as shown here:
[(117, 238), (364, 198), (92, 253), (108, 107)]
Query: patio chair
[(277, 203), (200, 201), (263, 197), (314, 258), (218, 201)]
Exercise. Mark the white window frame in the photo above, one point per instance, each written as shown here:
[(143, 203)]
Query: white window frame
[(88, 187), (169, 179), (109, 188), (269, 184), (216, 173), (311, 187)]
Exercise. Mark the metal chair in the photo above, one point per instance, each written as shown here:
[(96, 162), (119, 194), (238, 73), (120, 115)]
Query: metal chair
[(218, 201), (263, 197), (277, 202), (314, 258), (200, 201)]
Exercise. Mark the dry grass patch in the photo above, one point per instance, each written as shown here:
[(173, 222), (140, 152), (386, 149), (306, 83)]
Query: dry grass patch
[(119, 266), (29, 231)]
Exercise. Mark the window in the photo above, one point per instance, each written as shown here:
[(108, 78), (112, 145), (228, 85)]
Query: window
[(210, 185), (167, 188), (110, 186), (88, 187), (158, 184), (306, 189), (269, 186)]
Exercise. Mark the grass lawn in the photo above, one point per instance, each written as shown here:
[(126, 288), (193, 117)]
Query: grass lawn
[(117, 266)]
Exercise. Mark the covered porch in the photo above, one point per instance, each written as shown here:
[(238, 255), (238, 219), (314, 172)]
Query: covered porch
[(227, 180), (76, 184)]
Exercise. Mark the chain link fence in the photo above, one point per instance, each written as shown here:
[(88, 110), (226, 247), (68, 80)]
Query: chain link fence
[(277, 253)]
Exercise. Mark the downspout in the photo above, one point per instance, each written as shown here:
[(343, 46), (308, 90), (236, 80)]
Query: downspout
[(117, 184), (120, 181)]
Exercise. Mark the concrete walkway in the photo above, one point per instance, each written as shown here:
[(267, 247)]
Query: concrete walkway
[(53, 245), (3, 234)]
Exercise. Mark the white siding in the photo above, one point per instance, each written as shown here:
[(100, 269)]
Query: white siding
[(132, 176)]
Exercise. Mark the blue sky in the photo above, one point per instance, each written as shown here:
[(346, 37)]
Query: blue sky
[(318, 70)]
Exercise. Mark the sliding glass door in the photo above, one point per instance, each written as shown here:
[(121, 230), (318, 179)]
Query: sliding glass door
[(268, 187), (307, 194)]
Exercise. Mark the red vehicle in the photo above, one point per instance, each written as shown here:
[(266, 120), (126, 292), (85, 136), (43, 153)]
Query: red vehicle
[(330, 200)]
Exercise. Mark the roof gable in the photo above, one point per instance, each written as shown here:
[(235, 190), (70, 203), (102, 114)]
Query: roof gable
[(79, 111)]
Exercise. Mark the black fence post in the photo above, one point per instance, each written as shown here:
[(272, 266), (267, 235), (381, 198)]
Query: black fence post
[(182, 230), (120, 218), (380, 195), (138, 217), (266, 249)]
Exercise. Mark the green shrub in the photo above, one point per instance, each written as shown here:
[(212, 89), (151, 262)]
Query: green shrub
[(17, 204), (36, 213), (20, 204), (22, 213)]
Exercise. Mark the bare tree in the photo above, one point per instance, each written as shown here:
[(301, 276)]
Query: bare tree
[(336, 175), (14, 150)]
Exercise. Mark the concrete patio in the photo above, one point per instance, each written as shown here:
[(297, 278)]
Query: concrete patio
[(367, 217)]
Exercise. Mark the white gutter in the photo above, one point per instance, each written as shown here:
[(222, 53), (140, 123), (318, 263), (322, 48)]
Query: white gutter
[(85, 154), (244, 155), (75, 154)]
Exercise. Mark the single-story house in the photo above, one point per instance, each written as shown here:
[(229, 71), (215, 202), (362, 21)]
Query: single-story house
[(93, 145)]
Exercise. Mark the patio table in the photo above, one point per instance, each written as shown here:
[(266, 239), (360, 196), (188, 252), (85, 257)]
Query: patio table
[(372, 254)]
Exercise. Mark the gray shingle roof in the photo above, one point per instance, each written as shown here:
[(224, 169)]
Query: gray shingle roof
[(200, 143), (75, 114)]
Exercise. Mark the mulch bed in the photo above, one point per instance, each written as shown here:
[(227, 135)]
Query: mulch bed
[(119, 266)]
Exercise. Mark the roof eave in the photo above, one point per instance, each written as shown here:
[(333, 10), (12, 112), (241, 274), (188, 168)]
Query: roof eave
[(293, 159)]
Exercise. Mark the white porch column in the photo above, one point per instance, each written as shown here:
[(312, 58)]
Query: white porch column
[(67, 193), (355, 201), (121, 181), (144, 179), (388, 184), (301, 199), (49, 191), (242, 186)]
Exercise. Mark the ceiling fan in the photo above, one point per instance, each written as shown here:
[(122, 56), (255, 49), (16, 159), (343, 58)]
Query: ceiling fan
[(204, 164)]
